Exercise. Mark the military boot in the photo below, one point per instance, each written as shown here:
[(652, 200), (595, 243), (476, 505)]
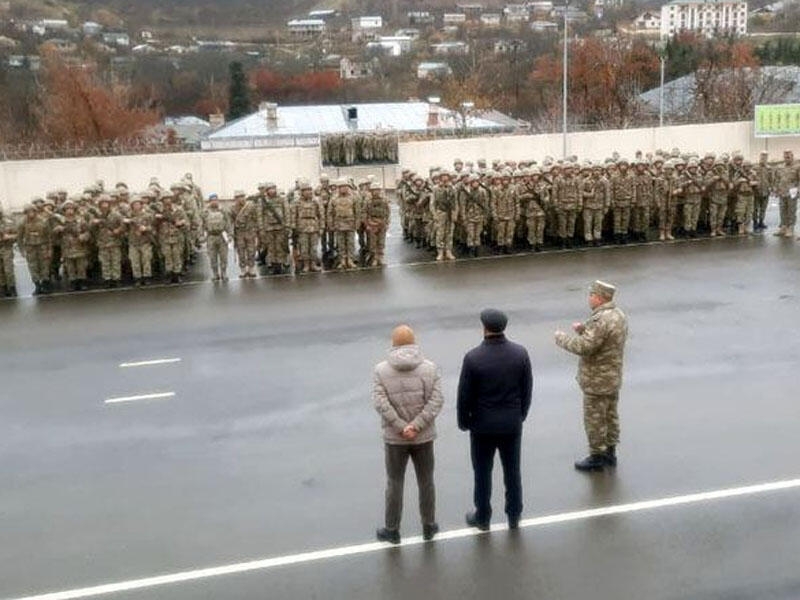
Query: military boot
[(593, 462), (37, 288), (440, 255), (388, 535), (611, 456), (781, 231), (789, 233), (5, 291), (448, 254), (12, 292)]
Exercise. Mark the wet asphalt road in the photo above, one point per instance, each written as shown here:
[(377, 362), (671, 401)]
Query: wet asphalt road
[(270, 445)]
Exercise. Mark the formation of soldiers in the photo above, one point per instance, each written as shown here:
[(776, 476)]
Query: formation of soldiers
[(359, 148), (567, 203), (109, 237)]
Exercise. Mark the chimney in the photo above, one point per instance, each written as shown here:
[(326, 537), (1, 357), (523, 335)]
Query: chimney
[(216, 120), (433, 111), (271, 110)]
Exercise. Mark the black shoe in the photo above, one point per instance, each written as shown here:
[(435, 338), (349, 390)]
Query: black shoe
[(12, 292), (45, 288), (611, 456), (513, 523), (428, 531), (593, 462), (537, 248), (109, 284), (388, 535), (472, 521)]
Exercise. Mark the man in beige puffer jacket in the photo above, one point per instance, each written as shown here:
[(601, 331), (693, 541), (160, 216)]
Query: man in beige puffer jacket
[(407, 394)]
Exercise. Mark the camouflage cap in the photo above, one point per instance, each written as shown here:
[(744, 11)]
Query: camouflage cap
[(304, 184), (375, 186), (239, 194), (68, 203), (325, 177), (37, 200), (601, 288)]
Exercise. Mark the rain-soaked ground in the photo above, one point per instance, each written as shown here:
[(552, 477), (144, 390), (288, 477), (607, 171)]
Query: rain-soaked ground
[(264, 442)]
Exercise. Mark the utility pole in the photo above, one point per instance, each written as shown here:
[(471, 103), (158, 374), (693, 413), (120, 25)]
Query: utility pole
[(564, 91)]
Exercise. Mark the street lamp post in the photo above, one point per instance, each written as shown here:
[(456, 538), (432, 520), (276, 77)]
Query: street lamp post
[(662, 57), (564, 90)]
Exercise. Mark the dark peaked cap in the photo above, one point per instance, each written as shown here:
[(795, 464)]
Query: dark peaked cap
[(494, 320)]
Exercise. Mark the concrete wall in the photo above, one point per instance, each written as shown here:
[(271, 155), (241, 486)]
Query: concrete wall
[(225, 171)]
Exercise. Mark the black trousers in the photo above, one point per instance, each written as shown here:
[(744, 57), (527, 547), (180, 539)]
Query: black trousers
[(482, 449)]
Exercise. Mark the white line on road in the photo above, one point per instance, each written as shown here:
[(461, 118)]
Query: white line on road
[(319, 555), (155, 396), (148, 363)]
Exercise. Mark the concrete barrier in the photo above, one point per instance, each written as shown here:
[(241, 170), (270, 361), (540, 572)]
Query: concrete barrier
[(225, 171)]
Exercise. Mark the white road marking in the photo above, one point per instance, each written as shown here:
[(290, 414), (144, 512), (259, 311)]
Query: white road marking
[(147, 363), (319, 555), (155, 396)]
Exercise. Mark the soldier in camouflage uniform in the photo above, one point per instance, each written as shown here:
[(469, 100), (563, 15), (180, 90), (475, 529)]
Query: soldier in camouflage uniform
[(595, 204), (717, 187), (246, 226), (275, 227), (140, 242), (744, 189), (343, 217), (623, 194), (74, 235), (472, 210), (217, 225), (642, 202), (172, 225), (8, 235), (763, 175), (308, 218), (504, 211), (108, 228), (35, 237), (692, 187), (785, 183), (532, 208), (600, 343), (444, 210), (568, 204), (377, 215)]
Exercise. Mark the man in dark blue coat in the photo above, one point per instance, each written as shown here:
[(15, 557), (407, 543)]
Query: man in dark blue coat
[(494, 395)]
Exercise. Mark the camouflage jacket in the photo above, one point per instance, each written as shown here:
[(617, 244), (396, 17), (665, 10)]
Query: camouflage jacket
[(784, 178), (600, 346)]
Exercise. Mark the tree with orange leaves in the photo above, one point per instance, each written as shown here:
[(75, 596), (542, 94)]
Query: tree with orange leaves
[(75, 107), (605, 79)]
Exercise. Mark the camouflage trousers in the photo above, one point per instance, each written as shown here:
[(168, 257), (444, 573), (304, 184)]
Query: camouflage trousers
[(38, 259), (593, 224), (110, 262), (7, 277), (217, 249), (376, 243), (345, 244), (601, 421), (246, 248), (307, 244), (744, 209), (274, 242), (173, 256), (666, 215), (473, 232), (75, 267), (788, 211), (622, 220), (691, 214), (141, 258), (504, 232), (535, 229), (640, 218), (760, 206), (443, 232), (716, 215), (567, 218)]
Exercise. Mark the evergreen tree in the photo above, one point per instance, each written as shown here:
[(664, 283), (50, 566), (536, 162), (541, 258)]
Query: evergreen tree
[(238, 93)]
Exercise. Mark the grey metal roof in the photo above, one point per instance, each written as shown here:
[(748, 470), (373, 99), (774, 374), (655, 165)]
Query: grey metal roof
[(779, 84), (299, 121)]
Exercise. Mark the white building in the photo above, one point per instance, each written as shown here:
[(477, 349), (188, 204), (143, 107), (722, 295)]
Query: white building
[(306, 27), (450, 48), (648, 21), (517, 13), (428, 70), (454, 18), (491, 19), (394, 45), (708, 17), (117, 38), (365, 28), (350, 69), (420, 17), (90, 28)]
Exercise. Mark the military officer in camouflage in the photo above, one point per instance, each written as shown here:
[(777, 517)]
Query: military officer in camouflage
[(217, 224), (600, 343), (377, 214), (8, 235)]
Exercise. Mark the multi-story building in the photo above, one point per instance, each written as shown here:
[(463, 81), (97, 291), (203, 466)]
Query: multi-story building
[(707, 17), (306, 27)]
